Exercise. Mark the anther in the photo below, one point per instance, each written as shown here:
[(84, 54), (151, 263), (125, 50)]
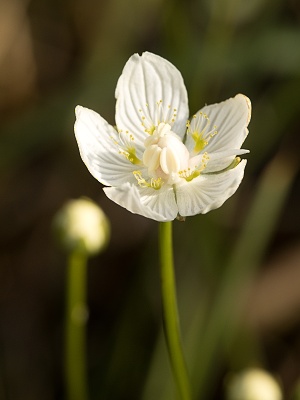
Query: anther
[(155, 184)]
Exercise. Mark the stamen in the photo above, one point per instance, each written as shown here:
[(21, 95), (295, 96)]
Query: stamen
[(126, 147), (150, 130), (155, 184), (147, 124), (200, 142), (130, 154), (189, 174), (197, 130), (160, 114)]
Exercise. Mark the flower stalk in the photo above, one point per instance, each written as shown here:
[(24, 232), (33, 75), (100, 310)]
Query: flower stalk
[(170, 312), (82, 229), (76, 317)]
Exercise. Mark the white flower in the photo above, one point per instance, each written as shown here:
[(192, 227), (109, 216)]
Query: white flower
[(81, 224), (156, 162), (253, 384)]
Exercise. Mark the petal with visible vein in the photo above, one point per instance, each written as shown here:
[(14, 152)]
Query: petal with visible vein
[(208, 192), (145, 81), (222, 159), (98, 151), (159, 204), (230, 118)]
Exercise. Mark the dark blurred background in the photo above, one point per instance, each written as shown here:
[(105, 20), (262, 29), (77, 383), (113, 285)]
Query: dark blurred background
[(238, 268)]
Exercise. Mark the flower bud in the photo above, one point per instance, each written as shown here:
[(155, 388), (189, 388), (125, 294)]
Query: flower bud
[(253, 384), (82, 225)]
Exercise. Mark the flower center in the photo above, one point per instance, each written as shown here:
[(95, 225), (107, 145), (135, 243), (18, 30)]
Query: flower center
[(165, 155)]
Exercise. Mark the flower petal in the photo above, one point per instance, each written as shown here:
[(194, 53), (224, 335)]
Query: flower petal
[(230, 118), (148, 91), (98, 150), (222, 159), (208, 192), (159, 204)]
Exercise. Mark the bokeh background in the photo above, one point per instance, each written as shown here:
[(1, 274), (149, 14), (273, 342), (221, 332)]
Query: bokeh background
[(238, 268)]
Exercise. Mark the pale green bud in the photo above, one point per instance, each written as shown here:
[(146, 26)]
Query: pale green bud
[(82, 225), (253, 384)]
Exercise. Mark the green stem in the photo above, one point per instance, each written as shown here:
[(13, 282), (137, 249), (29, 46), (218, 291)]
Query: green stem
[(76, 317), (171, 320)]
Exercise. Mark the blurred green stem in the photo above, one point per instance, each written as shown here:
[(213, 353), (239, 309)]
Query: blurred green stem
[(171, 320), (76, 317)]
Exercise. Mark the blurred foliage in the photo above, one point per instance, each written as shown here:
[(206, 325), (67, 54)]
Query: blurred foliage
[(237, 267)]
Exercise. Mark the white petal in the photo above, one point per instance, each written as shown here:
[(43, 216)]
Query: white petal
[(208, 192), (145, 81), (97, 149), (159, 204), (222, 159), (231, 118)]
